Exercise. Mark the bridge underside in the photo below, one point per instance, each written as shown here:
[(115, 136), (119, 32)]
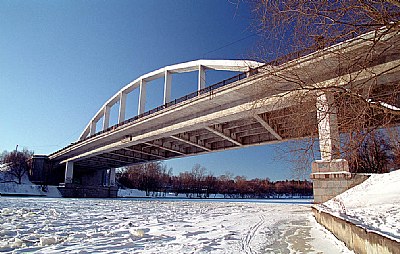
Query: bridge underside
[(259, 129), (275, 126)]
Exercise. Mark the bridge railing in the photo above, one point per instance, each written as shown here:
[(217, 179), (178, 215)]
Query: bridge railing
[(179, 100), (174, 102)]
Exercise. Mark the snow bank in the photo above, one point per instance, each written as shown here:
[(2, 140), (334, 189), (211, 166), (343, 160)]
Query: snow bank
[(123, 193), (26, 188), (373, 205), (20, 189)]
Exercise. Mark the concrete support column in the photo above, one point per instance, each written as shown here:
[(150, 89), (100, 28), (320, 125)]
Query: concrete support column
[(69, 171), (142, 97), (122, 107), (331, 174), (248, 73), (329, 139), (112, 177), (93, 127), (202, 78), (167, 86), (106, 117)]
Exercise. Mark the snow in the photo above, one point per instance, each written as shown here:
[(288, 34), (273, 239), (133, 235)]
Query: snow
[(373, 205), (49, 225), (384, 104), (26, 188), (131, 193)]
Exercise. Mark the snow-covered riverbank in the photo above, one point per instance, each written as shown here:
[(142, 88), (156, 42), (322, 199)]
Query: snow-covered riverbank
[(373, 205), (127, 226), (26, 188)]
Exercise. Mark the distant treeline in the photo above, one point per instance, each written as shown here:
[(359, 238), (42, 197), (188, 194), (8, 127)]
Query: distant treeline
[(155, 179)]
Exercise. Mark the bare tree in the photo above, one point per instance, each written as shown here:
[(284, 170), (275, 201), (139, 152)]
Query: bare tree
[(210, 184), (299, 25), (226, 184), (19, 163), (373, 156), (150, 177), (355, 83), (198, 175)]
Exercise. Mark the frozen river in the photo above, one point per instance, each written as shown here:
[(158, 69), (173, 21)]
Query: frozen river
[(45, 225)]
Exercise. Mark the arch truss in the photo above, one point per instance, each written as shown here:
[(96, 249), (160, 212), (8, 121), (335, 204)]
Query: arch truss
[(200, 66)]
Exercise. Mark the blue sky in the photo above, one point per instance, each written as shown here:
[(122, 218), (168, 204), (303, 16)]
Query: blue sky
[(61, 60)]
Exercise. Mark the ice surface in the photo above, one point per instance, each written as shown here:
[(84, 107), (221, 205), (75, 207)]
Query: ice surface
[(373, 205), (47, 225)]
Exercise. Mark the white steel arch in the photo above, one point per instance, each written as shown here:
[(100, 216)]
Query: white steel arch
[(199, 65)]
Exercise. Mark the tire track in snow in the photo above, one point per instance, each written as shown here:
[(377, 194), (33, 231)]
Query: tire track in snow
[(246, 242)]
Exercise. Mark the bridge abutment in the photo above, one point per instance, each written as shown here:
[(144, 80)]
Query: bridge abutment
[(80, 191), (84, 183), (74, 181), (331, 178)]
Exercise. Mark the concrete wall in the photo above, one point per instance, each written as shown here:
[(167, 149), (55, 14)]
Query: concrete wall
[(39, 170), (88, 177), (356, 238), (44, 172), (331, 178), (327, 186), (79, 191)]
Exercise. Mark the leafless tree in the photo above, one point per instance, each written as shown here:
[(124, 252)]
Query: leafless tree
[(198, 183), (151, 177), (360, 89), (373, 156), (19, 163)]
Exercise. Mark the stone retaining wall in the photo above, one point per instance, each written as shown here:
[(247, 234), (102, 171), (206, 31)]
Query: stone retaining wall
[(331, 178), (356, 238), (329, 185)]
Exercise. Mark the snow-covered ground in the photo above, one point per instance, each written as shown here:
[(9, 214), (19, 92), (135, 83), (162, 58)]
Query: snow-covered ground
[(373, 205), (25, 188), (47, 225), (28, 190)]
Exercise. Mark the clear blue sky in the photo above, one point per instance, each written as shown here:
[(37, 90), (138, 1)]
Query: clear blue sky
[(61, 60)]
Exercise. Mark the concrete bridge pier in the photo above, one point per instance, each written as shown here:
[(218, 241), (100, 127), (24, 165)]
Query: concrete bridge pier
[(331, 175), (81, 182), (69, 172)]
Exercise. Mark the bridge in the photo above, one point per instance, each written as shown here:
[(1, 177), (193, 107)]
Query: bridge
[(256, 107)]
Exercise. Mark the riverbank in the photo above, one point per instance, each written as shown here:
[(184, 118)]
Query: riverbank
[(26, 188), (367, 212), (134, 193)]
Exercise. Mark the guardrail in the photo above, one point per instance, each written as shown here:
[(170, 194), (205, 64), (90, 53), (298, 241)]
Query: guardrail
[(180, 100)]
